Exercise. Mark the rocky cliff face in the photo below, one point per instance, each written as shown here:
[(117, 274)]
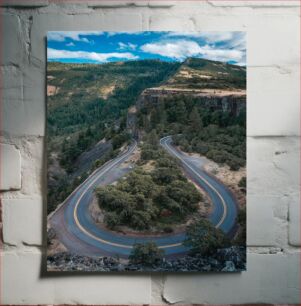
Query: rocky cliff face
[(233, 102), (131, 122)]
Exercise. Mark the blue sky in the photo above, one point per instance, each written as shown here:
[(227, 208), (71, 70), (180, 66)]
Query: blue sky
[(102, 47)]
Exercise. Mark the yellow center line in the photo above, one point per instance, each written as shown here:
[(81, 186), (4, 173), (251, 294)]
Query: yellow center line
[(205, 181), (80, 226)]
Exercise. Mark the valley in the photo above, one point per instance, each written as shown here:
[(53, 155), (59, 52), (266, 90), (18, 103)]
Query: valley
[(159, 146)]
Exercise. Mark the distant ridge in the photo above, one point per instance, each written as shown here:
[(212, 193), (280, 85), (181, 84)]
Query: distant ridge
[(197, 73)]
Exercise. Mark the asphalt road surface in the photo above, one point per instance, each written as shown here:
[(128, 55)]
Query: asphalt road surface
[(78, 232), (224, 211)]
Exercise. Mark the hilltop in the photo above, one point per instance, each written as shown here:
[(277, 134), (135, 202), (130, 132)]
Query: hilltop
[(197, 73)]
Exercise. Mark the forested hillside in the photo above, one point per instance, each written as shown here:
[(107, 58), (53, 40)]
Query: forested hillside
[(216, 134), (87, 103), (156, 196)]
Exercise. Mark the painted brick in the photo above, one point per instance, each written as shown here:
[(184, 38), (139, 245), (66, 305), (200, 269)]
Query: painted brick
[(294, 220), (23, 101), (262, 211), (34, 101), (22, 283), (273, 165), (127, 4), (122, 22), (258, 4), (13, 45), (32, 152), (16, 226), (12, 96), (11, 85), (273, 110), (10, 171), (168, 22), (161, 4), (116, 4), (24, 3), (269, 46), (269, 279)]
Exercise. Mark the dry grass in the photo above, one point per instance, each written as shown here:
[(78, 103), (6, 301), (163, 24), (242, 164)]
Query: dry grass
[(95, 211), (52, 90), (55, 247), (229, 178), (149, 166), (105, 91)]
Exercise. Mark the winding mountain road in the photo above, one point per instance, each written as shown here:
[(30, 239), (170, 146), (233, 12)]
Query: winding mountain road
[(75, 228), (224, 211)]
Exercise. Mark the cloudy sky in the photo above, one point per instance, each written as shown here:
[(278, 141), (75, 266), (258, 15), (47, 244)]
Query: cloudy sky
[(102, 47)]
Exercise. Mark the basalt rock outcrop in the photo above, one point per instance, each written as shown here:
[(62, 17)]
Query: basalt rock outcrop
[(233, 102), (232, 259)]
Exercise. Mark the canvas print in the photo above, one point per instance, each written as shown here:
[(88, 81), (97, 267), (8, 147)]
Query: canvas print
[(146, 151)]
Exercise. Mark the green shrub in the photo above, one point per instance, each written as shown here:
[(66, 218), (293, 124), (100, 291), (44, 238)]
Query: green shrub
[(185, 194), (120, 139), (166, 162), (243, 182), (203, 238), (111, 219), (216, 156), (167, 229), (140, 200), (147, 254), (163, 176), (234, 166), (240, 238), (148, 154)]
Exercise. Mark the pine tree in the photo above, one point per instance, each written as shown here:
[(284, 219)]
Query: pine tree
[(195, 120), (180, 112), (153, 138)]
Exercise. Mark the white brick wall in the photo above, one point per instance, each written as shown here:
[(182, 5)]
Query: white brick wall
[(273, 151), (270, 278), (13, 46), (24, 3), (294, 220), (24, 284), (10, 167), (23, 222)]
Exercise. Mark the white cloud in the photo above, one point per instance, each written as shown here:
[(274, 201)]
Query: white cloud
[(238, 41), (71, 44), (74, 35), (225, 39), (211, 36), (181, 49), (126, 46), (178, 49), (223, 55), (98, 57), (214, 37)]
